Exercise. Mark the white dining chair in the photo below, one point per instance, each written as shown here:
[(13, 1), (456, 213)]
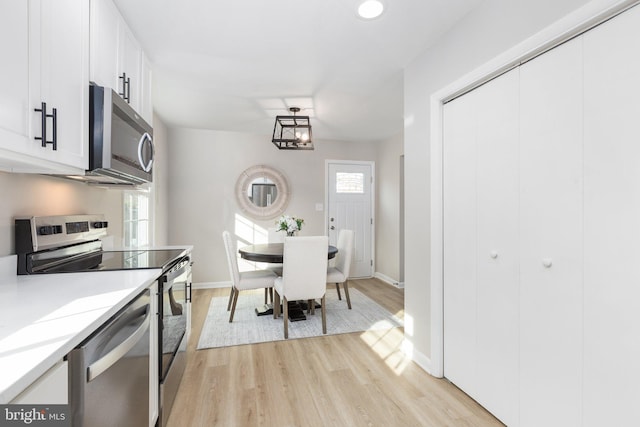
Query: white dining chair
[(341, 269), (304, 272), (246, 280), (275, 236)]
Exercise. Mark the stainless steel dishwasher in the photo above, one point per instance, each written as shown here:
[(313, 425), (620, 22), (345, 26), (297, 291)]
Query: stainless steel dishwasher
[(109, 372)]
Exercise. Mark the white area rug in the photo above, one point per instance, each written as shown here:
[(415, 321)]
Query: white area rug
[(248, 328)]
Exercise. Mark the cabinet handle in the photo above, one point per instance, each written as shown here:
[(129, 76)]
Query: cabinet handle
[(546, 262), (44, 116), (43, 110), (493, 254), (54, 116), (124, 94)]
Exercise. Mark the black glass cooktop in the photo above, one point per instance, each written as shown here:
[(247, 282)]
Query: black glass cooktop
[(117, 260)]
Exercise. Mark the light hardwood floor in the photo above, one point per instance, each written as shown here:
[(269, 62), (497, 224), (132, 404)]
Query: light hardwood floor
[(357, 379)]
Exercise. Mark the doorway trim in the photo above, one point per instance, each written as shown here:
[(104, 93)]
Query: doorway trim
[(372, 165), (572, 25)]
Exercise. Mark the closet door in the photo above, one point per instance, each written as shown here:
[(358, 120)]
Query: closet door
[(497, 246), (551, 238), (481, 245), (460, 242), (612, 222)]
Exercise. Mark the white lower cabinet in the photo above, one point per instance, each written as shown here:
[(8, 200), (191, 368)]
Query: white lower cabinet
[(51, 388), (541, 232)]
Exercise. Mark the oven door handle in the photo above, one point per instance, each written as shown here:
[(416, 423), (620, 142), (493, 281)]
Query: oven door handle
[(99, 366)]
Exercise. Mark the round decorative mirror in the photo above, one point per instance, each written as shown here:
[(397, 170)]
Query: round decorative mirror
[(262, 192)]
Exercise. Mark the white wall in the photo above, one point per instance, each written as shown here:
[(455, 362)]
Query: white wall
[(388, 208), (492, 28), (204, 167), (26, 194), (160, 183)]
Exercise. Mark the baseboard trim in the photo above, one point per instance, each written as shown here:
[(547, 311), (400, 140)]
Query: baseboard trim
[(420, 359), (211, 285), (388, 280)]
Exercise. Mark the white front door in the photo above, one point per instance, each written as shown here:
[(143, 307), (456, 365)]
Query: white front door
[(350, 206)]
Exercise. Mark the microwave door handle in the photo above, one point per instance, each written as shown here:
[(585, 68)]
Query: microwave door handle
[(145, 167), (105, 362)]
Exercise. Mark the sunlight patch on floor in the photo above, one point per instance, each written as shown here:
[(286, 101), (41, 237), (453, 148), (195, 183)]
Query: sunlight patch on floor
[(387, 344)]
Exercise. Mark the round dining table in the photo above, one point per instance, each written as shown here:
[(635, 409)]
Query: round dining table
[(272, 252)]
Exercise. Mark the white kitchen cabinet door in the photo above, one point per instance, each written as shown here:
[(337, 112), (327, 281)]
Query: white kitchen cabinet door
[(612, 222), (551, 269), (45, 45), (146, 100), (497, 247), (131, 66), (460, 243), (59, 75), (104, 48), (14, 75), (116, 55)]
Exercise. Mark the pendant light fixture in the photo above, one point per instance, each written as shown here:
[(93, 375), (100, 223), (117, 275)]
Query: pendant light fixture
[(292, 132)]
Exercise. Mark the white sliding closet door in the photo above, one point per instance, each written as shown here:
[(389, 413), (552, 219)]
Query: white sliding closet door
[(612, 222), (551, 238), (481, 245), (460, 230), (497, 257)]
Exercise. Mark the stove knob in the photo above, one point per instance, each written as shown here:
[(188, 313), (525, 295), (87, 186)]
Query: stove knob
[(100, 224)]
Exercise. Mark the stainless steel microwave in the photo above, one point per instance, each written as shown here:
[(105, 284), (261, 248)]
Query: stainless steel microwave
[(120, 141)]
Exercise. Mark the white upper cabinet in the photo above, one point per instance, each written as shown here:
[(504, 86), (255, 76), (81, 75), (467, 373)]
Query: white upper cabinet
[(117, 59), (14, 84), (45, 54)]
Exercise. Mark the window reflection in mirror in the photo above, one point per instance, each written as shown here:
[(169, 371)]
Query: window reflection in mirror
[(262, 192)]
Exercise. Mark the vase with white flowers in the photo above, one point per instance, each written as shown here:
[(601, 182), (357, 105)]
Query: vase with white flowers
[(289, 224)]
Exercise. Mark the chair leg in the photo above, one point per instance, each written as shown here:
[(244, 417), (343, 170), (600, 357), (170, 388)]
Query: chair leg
[(266, 295), (324, 315), (271, 295), (233, 306), (233, 289), (276, 305), (312, 306), (338, 289), (285, 313), (346, 292)]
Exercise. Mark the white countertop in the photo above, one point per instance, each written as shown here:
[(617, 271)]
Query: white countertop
[(43, 317)]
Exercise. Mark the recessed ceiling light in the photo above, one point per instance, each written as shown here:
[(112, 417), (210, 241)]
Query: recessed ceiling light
[(370, 9)]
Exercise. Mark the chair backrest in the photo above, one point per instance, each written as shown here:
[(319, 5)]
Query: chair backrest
[(304, 269), (346, 245), (232, 259), (275, 236)]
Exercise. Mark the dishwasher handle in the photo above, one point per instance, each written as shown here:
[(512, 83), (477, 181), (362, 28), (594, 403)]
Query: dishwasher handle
[(99, 366)]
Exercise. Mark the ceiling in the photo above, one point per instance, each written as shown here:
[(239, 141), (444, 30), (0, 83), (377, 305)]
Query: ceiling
[(234, 65)]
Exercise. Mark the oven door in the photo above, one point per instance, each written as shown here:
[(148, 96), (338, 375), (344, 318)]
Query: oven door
[(174, 306)]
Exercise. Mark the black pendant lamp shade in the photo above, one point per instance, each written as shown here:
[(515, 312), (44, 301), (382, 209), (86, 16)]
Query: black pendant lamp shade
[(292, 132)]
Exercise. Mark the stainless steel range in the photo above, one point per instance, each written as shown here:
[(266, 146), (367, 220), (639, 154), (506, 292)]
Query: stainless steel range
[(71, 243)]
